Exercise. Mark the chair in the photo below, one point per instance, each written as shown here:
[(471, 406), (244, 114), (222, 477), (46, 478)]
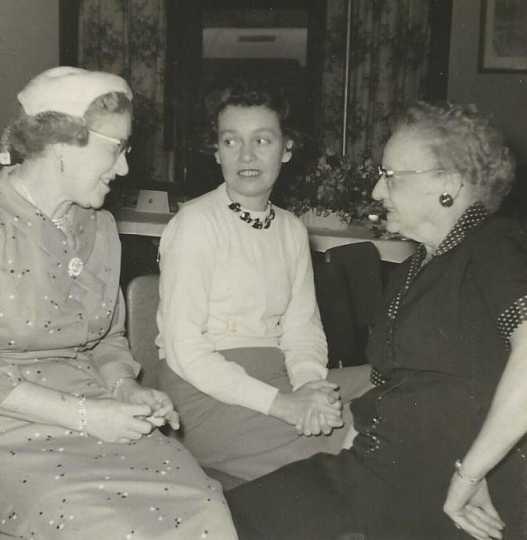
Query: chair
[(142, 299), (349, 286)]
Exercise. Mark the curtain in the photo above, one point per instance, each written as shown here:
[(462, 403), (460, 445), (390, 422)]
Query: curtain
[(388, 60), (128, 37), (389, 45)]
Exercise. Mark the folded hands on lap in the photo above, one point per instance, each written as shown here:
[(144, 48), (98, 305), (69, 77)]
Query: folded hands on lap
[(145, 408), (315, 408)]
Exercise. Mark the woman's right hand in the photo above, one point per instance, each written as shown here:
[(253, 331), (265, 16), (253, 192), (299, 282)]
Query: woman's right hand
[(308, 405), (113, 421), (316, 421)]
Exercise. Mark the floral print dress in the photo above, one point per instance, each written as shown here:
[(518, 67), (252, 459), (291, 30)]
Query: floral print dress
[(62, 327)]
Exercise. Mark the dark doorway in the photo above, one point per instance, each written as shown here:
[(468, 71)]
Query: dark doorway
[(210, 42)]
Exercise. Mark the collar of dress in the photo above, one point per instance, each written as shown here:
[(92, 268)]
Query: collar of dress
[(471, 218)]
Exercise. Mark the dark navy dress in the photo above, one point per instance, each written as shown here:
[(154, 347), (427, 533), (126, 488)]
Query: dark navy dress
[(438, 353)]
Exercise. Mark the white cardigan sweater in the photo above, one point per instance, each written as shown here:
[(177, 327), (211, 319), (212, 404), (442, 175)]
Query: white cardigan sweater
[(227, 285)]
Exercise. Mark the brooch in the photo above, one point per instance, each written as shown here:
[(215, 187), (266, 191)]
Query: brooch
[(75, 267)]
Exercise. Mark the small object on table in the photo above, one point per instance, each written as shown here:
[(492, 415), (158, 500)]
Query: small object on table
[(150, 200)]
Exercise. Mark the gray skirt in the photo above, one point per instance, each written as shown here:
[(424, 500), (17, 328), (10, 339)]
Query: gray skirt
[(239, 441)]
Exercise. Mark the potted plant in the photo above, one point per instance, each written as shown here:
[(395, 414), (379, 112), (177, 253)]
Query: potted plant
[(335, 193)]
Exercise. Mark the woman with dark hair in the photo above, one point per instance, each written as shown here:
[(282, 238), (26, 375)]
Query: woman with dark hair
[(447, 413), (81, 457), (239, 325)]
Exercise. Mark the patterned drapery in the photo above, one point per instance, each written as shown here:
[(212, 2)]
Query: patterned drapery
[(128, 37), (389, 45)]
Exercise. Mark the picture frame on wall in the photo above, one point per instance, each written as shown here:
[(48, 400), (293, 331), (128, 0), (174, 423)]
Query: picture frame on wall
[(503, 36)]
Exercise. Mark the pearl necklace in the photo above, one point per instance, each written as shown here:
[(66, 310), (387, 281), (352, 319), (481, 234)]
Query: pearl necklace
[(22, 189), (60, 222), (255, 223), (75, 264)]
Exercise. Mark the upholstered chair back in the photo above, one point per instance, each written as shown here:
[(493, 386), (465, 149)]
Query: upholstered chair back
[(142, 299)]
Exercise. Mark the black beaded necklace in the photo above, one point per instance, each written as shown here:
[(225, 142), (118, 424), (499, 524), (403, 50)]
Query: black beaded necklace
[(255, 223)]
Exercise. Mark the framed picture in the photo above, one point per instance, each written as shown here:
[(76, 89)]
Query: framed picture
[(503, 35)]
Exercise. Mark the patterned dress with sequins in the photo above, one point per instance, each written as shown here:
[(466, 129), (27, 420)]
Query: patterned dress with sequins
[(438, 353), (61, 326)]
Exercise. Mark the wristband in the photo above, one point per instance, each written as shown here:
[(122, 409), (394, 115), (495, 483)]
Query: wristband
[(83, 420), (117, 383), (470, 479)]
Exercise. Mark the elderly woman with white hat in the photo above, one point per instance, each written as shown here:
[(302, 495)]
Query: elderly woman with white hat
[(81, 456)]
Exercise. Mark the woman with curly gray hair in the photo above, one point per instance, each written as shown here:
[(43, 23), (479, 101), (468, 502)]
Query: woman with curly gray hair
[(446, 409)]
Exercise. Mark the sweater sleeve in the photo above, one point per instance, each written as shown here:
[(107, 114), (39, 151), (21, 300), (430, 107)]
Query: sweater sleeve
[(187, 264), (303, 340)]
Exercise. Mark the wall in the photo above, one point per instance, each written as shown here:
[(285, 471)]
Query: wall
[(29, 43), (502, 95)]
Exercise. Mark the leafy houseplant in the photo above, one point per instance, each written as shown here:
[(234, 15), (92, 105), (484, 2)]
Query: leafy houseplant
[(337, 184)]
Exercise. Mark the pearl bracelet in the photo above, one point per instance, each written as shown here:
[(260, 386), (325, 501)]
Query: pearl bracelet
[(83, 420), (116, 384), (470, 479)]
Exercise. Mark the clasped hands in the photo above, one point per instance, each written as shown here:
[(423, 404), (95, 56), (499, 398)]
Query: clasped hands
[(133, 413), (314, 408)]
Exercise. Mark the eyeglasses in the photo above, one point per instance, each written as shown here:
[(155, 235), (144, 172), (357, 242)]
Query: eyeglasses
[(123, 146), (389, 173)]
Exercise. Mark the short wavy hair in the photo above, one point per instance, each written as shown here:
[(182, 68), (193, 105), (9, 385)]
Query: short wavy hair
[(248, 92), (464, 140), (28, 136)]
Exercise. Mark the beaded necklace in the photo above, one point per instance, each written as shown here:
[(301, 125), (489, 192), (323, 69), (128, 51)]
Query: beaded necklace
[(255, 223)]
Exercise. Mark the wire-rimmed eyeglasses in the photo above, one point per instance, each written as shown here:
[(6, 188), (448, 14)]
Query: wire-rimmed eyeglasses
[(123, 145)]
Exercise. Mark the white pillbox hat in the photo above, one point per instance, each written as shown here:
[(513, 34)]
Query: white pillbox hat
[(69, 90)]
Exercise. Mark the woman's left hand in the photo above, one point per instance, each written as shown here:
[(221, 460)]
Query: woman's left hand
[(470, 508), (130, 391), (315, 421)]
